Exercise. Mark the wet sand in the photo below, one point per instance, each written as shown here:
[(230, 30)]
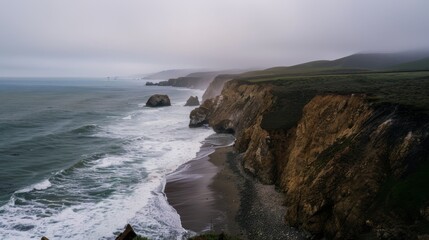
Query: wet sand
[(202, 195), (212, 193)]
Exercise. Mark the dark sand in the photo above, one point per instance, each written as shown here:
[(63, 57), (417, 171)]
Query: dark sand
[(211, 193), (194, 193)]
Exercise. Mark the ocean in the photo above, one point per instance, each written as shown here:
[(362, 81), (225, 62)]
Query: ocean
[(81, 158)]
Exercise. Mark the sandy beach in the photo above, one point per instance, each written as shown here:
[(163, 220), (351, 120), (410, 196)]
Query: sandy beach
[(211, 193)]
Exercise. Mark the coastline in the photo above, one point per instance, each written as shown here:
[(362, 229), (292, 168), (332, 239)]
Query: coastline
[(212, 193)]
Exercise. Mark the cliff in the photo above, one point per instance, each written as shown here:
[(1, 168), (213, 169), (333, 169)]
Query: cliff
[(216, 86), (351, 161)]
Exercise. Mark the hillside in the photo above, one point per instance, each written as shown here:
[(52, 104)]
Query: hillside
[(356, 63), (422, 64), (377, 61)]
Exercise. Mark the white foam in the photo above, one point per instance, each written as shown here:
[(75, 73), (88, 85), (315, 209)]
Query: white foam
[(159, 141), (110, 161), (38, 186)]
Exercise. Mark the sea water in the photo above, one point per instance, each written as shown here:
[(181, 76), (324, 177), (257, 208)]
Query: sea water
[(81, 158)]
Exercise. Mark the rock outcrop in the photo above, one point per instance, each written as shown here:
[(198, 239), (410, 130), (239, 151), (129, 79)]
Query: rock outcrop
[(127, 234), (192, 101), (347, 166), (158, 100)]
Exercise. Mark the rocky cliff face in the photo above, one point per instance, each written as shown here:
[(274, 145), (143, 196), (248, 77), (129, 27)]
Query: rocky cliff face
[(216, 86), (347, 166)]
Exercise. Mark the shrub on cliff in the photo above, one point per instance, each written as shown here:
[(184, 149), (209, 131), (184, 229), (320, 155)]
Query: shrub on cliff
[(214, 236), (140, 238)]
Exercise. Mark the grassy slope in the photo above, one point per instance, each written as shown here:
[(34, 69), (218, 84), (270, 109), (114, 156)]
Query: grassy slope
[(422, 64), (350, 64)]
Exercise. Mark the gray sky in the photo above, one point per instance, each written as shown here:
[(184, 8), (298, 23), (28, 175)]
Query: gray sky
[(122, 37)]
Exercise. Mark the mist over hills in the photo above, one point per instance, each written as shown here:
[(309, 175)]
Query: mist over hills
[(360, 62), (356, 63)]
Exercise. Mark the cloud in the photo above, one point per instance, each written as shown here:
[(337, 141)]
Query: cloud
[(116, 37)]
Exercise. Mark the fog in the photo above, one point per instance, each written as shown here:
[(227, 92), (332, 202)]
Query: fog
[(124, 37)]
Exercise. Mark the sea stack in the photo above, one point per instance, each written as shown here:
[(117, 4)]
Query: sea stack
[(192, 101), (158, 100)]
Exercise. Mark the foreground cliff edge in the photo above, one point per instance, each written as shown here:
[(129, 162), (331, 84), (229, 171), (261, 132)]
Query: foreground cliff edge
[(349, 151)]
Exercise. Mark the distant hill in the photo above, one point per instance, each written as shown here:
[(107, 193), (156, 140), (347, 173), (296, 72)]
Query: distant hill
[(196, 80), (172, 73), (378, 61), (360, 62)]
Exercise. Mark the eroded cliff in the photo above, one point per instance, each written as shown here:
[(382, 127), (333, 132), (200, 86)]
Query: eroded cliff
[(215, 87), (347, 166)]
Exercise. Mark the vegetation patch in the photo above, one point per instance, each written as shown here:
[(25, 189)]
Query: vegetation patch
[(408, 195), (409, 89), (140, 238), (214, 236)]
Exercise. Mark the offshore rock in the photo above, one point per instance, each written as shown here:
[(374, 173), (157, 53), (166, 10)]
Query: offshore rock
[(151, 84), (192, 101), (158, 100)]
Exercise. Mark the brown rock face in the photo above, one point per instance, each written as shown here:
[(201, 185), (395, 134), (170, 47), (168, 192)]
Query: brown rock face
[(192, 101), (342, 164), (199, 116), (158, 100), (239, 110)]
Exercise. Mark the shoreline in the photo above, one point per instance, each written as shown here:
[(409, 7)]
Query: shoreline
[(213, 194)]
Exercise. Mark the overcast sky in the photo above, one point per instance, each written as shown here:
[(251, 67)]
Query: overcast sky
[(122, 37)]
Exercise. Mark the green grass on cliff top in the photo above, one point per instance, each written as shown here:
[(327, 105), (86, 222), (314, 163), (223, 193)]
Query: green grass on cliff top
[(296, 89), (405, 88), (214, 236)]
